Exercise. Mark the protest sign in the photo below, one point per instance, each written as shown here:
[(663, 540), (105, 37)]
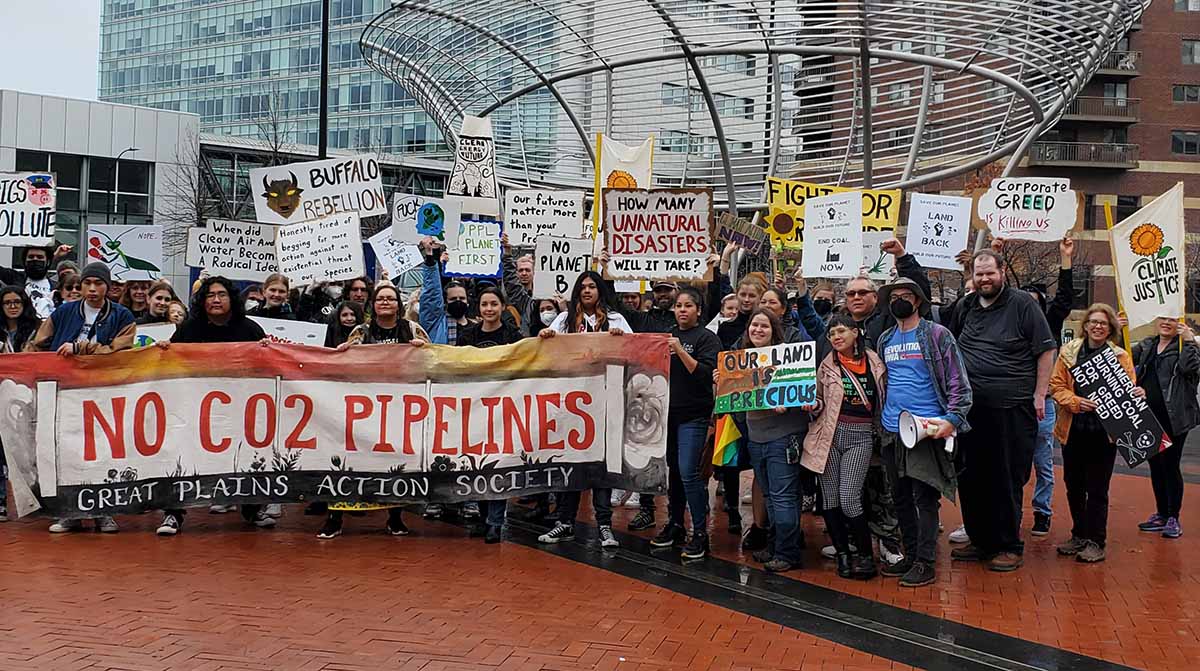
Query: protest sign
[(285, 194), (658, 234), (27, 208), (415, 217), (620, 167), (835, 236), (877, 264), (478, 251), (630, 286), (396, 257), (744, 232), (1126, 418), (782, 376), (322, 250), (1041, 209), (938, 227), (148, 334), (530, 214), (473, 178), (557, 263), (1149, 257), (787, 200), (132, 252), (232, 423), (237, 250), (293, 331)]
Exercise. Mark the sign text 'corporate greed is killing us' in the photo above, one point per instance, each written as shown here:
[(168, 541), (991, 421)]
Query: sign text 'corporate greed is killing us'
[(658, 234)]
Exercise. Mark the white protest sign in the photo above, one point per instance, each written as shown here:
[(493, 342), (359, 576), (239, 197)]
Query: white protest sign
[(1148, 250), (938, 228), (658, 234), (478, 252), (396, 257), (322, 250), (473, 178), (557, 262), (530, 214), (237, 250), (414, 217), (148, 334), (833, 235), (132, 252), (877, 263), (1041, 209), (285, 194), (292, 331), (27, 208), (629, 286)]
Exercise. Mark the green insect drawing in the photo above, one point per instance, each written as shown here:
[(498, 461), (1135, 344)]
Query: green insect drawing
[(109, 251)]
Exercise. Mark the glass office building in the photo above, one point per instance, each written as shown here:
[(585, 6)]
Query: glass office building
[(250, 68)]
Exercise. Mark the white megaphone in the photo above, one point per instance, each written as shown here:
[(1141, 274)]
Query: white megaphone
[(914, 429)]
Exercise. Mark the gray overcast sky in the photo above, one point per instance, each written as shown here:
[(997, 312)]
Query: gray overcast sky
[(51, 46)]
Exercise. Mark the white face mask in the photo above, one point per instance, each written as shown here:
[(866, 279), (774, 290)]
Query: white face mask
[(250, 305), (548, 317), (333, 291)]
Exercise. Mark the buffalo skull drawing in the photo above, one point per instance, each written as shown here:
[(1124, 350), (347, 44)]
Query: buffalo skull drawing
[(283, 195)]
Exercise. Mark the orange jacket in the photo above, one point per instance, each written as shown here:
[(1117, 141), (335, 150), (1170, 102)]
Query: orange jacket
[(1062, 385)]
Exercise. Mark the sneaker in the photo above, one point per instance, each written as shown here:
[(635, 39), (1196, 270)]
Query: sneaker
[(1156, 523), (890, 557), (1006, 562), (1041, 524), (1090, 554), (762, 556), (620, 496), (218, 509), (642, 521), (921, 573), (396, 526), (830, 552), (170, 525), (607, 539), (331, 529), (634, 501), (967, 553), (433, 511), (696, 548), (897, 570), (470, 510), (862, 567), (1172, 528), (778, 566), (262, 520), (66, 526), (1072, 547), (959, 536), (107, 525), (670, 536), (755, 538), (273, 510), (561, 532), (492, 535)]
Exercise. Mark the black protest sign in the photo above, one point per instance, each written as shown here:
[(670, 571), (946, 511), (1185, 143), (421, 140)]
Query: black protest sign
[(1126, 418)]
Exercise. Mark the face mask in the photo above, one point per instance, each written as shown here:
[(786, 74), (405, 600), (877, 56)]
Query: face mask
[(35, 270), (250, 305), (823, 306), (548, 317), (456, 309), (333, 291), (901, 309)]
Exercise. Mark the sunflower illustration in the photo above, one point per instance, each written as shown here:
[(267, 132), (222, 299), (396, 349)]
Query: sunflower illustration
[(1147, 240), (619, 179)]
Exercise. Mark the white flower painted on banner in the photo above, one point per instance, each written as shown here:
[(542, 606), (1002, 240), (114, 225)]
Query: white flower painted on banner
[(645, 418)]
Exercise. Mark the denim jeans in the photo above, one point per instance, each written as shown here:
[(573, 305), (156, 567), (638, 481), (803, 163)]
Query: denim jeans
[(780, 483), (495, 511), (685, 443), (1043, 462), (568, 506)]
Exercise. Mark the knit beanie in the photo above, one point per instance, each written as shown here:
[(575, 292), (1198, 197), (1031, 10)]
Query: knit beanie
[(96, 270)]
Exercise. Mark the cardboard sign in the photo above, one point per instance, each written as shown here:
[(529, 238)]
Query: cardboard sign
[(27, 208), (396, 257), (877, 264), (1127, 419), (473, 179), (530, 214), (132, 252), (286, 194), (782, 376), (938, 228), (787, 203), (557, 263), (148, 334), (478, 252), (1041, 209), (237, 250), (293, 331), (658, 234), (415, 217), (743, 231), (1148, 251), (835, 236), (323, 250)]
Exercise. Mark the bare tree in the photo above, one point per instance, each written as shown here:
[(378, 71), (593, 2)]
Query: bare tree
[(187, 196), (276, 128)]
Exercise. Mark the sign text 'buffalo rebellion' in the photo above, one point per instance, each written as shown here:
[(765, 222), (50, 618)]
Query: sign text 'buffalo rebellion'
[(781, 376), (658, 234), (286, 194)]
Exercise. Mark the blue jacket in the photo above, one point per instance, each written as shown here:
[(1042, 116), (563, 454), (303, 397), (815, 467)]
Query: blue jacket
[(432, 313), (114, 329)]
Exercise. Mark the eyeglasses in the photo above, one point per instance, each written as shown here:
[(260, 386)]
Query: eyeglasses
[(859, 292), (1097, 322), (12, 304), (385, 299), (221, 294)]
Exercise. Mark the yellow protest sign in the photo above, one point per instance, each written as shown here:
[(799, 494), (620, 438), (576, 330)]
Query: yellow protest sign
[(785, 209)]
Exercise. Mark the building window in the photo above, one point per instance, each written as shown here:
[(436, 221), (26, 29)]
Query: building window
[(1126, 207), (1191, 52), (1120, 90), (1081, 287), (1186, 93), (1187, 5), (673, 141), (1186, 142), (674, 95), (32, 161)]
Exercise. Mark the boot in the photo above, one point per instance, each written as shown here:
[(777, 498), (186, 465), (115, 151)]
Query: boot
[(862, 566), (843, 565), (835, 524)]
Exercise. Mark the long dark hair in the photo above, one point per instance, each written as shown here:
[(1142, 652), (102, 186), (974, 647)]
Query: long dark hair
[(697, 298), (28, 314), (776, 328), (338, 331), (575, 323), (237, 308), (403, 330)]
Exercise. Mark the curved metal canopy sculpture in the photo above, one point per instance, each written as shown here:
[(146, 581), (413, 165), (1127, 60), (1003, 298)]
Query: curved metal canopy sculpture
[(735, 90)]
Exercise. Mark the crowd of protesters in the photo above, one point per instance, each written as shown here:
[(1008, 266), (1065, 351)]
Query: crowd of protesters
[(988, 370)]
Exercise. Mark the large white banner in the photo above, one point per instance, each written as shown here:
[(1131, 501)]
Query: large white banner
[(415, 217), (132, 252), (1041, 209), (286, 194), (1148, 253), (833, 235), (938, 228), (529, 214), (27, 208), (322, 250), (473, 179), (237, 250)]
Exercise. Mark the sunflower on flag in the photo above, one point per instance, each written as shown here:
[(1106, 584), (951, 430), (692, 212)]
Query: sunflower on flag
[(1148, 256)]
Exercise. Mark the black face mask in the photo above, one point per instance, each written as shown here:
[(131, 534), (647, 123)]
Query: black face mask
[(35, 270), (823, 306), (456, 309), (901, 309)]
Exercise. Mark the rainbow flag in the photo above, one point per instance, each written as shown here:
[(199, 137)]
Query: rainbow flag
[(725, 441)]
